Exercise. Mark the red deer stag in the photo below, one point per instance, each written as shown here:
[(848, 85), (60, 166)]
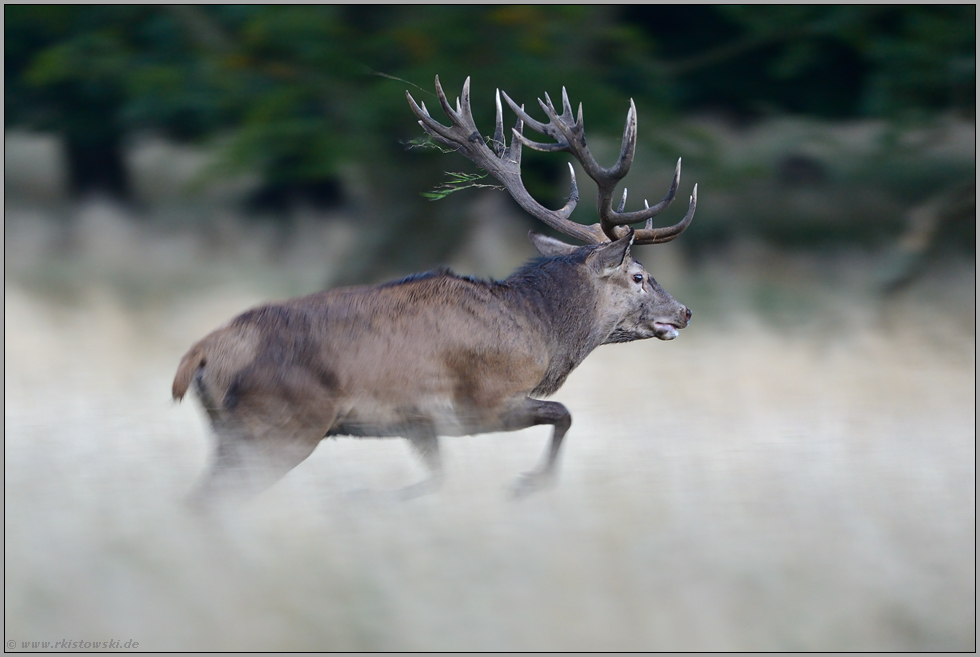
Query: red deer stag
[(436, 353)]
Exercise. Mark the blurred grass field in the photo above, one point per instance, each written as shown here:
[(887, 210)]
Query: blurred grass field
[(796, 472)]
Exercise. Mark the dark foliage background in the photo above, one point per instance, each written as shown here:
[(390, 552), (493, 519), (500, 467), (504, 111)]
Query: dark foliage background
[(310, 98)]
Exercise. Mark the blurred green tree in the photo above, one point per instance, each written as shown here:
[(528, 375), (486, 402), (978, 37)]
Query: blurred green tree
[(303, 90), (94, 74), (300, 90), (306, 95), (833, 61)]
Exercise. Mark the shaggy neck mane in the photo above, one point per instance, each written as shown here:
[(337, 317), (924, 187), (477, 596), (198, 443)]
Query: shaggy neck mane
[(558, 292)]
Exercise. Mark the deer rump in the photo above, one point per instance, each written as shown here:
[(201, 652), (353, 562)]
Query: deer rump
[(438, 354)]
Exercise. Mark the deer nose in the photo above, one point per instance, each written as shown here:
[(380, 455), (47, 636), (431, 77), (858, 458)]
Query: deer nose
[(687, 314)]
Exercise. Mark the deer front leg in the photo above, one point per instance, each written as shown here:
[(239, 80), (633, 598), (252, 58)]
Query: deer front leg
[(422, 436), (532, 413), (426, 443)]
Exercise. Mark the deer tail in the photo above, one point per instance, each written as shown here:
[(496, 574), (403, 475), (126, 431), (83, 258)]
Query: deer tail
[(189, 364)]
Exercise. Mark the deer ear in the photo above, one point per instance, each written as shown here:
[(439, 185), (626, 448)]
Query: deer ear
[(611, 255), (549, 246)]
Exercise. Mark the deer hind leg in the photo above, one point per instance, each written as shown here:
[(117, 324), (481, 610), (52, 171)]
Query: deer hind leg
[(256, 447), (533, 412), (267, 421), (246, 464)]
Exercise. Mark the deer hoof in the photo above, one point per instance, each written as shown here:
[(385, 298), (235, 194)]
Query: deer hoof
[(531, 482)]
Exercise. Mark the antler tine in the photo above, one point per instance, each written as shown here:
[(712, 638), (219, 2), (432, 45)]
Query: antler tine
[(609, 218), (534, 124), (446, 107), (557, 125), (465, 109), (622, 203), (537, 126), (514, 151), (547, 105), (465, 95), (628, 149), (538, 146), (499, 147), (620, 218), (433, 128), (650, 235), (566, 107), (573, 191)]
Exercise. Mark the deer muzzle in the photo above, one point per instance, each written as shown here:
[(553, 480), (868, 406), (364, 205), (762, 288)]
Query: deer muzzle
[(668, 330)]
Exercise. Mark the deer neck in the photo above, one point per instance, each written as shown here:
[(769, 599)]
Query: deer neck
[(562, 300)]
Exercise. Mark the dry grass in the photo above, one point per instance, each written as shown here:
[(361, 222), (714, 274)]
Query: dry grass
[(796, 472)]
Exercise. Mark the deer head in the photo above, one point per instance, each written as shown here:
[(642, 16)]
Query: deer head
[(627, 293)]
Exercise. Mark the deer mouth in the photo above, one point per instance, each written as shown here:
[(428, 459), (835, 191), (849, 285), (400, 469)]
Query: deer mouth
[(665, 331)]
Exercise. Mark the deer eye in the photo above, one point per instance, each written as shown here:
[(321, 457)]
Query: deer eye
[(637, 278)]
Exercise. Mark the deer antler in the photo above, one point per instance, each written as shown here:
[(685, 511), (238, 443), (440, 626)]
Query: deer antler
[(504, 163), (569, 136)]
